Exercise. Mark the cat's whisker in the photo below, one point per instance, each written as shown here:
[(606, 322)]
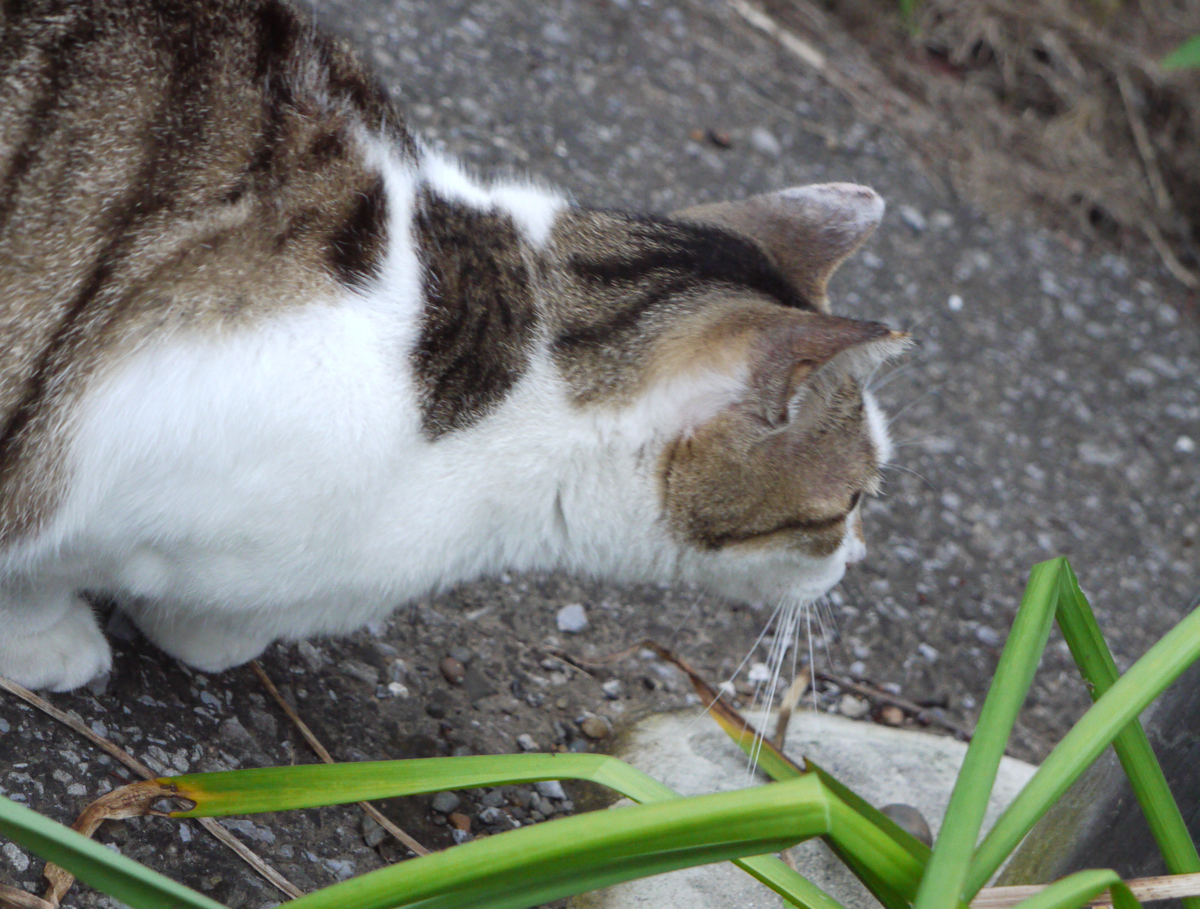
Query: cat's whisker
[(877, 385), (893, 417), (909, 470), (685, 620)]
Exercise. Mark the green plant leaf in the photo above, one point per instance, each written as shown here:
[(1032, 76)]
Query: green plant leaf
[(1128, 697), (547, 861), (1186, 56), (1098, 668), (311, 785), (96, 865), (946, 873)]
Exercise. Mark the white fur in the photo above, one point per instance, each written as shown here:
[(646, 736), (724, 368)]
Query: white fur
[(275, 483), (534, 210)]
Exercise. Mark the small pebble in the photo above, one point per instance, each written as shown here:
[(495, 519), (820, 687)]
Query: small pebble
[(890, 715), (361, 671), (911, 820), (954, 303), (373, 832), (596, 727), (446, 802), (526, 742), (16, 857), (493, 816), (453, 670), (572, 619), (853, 707), (988, 637), (463, 654), (764, 141), (551, 789), (759, 672), (912, 217), (460, 821), (1185, 445), (611, 689)]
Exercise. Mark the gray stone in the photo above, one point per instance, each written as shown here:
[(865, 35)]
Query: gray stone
[(551, 789), (446, 802), (692, 755)]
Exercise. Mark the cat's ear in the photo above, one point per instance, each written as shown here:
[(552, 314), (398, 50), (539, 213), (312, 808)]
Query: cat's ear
[(809, 230), (812, 350), (762, 362)]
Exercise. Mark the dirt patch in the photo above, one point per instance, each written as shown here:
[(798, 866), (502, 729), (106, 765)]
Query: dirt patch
[(1059, 107)]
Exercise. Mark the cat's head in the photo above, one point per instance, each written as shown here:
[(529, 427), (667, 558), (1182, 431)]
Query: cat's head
[(761, 441)]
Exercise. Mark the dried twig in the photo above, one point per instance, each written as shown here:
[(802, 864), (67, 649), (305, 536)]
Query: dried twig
[(228, 839), (1141, 138), (15, 898), (1146, 889), (787, 704), (883, 697), (314, 743)]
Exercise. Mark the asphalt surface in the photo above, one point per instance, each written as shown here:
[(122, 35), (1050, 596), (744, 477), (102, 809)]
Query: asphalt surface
[(1051, 408)]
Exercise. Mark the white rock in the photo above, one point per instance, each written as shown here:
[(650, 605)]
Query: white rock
[(690, 754), (764, 141), (572, 619), (912, 216)]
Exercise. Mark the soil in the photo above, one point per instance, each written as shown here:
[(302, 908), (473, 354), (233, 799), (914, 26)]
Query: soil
[(1051, 408)]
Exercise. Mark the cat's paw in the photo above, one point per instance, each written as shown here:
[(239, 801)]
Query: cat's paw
[(64, 655)]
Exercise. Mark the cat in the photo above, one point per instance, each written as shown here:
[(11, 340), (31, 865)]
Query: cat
[(270, 367)]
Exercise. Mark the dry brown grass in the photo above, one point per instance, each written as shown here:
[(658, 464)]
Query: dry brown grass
[(1055, 105)]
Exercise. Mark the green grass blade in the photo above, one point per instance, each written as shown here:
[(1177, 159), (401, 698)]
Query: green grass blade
[(1137, 758), (780, 767), (572, 855), (1123, 897), (1128, 697), (795, 888), (1186, 56), (95, 864), (1075, 890), (310, 785), (946, 872)]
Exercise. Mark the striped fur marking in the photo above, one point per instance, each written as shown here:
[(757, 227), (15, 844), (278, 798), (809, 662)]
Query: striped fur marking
[(479, 320)]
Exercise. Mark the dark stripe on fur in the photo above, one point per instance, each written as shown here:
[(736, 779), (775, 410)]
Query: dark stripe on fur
[(40, 118), (479, 320), (695, 254), (178, 128), (356, 249), (661, 259)]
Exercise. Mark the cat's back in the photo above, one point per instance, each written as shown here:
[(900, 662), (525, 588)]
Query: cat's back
[(194, 165)]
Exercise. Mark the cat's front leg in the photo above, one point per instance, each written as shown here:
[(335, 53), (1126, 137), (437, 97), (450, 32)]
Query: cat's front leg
[(49, 637)]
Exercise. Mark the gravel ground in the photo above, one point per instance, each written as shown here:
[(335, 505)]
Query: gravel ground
[(1052, 407)]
